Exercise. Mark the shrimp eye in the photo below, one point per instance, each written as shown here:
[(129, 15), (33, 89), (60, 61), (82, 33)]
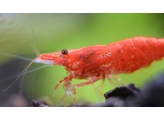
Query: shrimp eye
[(64, 51)]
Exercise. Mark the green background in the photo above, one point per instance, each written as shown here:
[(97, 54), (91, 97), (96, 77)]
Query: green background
[(21, 34)]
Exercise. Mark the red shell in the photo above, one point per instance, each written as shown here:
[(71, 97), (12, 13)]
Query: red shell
[(124, 56)]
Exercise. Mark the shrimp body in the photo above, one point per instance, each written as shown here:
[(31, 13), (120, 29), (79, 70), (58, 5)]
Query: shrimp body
[(100, 61)]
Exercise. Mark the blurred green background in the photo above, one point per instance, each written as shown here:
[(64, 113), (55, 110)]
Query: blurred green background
[(53, 32)]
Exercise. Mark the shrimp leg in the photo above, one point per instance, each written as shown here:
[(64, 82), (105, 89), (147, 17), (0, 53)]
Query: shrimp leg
[(67, 80), (67, 86), (112, 76), (91, 80)]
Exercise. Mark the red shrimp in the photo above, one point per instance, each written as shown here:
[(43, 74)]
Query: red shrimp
[(101, 61)]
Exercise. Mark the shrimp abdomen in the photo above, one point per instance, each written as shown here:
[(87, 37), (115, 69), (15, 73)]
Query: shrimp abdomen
[(134, 53)]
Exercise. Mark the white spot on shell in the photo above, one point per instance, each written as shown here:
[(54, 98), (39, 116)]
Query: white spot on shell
[(73, 73), (132, 56), (106, 65), (105, 55), (75, 65)]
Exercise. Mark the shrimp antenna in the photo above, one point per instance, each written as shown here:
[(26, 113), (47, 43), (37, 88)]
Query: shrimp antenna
[(14, 55), (36, 51), (24, 71), (36, 44), (29, 71)]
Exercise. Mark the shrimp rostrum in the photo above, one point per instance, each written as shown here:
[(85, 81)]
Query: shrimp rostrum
[(101, 61)]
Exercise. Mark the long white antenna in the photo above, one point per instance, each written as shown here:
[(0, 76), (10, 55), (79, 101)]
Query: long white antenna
[(24, 71), (14, 55), (36, 44), (16, 75)]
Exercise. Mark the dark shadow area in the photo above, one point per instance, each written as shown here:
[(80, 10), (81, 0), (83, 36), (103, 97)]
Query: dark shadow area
[(152, 95)]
